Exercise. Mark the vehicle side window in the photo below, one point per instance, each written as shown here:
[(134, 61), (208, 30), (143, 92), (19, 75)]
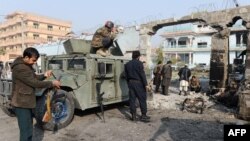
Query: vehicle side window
[(105, 68), (55, 64), (77, 64), (109, 68)]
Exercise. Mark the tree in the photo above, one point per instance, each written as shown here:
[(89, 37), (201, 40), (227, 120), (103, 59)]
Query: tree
[(159, 53), (2, 51)]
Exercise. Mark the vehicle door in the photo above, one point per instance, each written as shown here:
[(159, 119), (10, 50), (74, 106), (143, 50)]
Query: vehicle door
[(105, 79)]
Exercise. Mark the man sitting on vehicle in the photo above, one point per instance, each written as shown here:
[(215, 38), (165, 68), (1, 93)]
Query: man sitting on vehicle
[(103, 39)]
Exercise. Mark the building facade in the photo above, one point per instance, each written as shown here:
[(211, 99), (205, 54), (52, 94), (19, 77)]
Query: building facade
[(21, 30), (191, 43)]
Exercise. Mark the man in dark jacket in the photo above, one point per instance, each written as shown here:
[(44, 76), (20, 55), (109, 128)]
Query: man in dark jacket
[(103, 39), (157, 76), (137, 85), (184, 75), (166, 73), (24, 82)]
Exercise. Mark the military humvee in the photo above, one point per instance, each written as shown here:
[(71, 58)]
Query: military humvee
[(88, 81)]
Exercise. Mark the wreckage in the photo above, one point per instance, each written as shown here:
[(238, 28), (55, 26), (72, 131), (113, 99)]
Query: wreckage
[(222, 77)]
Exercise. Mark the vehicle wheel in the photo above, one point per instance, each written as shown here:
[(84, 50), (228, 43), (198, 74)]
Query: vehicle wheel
[(62, 109), (8, 111)]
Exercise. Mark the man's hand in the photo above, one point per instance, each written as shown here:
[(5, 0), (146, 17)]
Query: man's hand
[(147, 88), (48, 73), (56, 84), (114, 29)]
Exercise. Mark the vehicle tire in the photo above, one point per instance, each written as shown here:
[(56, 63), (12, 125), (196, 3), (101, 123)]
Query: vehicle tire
[(62, 109), (8, 111)]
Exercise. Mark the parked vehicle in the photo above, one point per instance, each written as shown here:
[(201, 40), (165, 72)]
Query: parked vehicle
[(201, 68), (88, 81)]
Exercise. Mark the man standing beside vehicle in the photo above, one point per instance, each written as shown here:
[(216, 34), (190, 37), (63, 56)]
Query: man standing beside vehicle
[(24, 82), (137, 84)]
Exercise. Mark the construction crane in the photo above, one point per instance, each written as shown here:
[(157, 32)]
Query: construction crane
[(236, 3)]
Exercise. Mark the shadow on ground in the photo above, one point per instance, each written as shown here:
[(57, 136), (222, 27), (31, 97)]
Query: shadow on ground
[(188, 130)]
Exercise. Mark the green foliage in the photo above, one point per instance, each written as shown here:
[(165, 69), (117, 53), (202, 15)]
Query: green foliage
[(2, 51), (159, 53)]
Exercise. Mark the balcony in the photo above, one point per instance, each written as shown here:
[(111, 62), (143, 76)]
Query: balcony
[(6, 24), (200, 48), (186, 48)]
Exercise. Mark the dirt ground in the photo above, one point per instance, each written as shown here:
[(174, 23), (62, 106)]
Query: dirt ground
[(168, 123)]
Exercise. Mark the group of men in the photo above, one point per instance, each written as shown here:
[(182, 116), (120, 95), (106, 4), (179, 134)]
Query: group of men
[(25, 80), (163, 75)]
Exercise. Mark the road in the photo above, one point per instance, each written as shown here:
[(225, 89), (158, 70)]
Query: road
[(167, 124)]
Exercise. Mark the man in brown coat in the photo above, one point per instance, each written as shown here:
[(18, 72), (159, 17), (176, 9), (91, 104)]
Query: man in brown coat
[(24, 82), (166, 73), (103, 39)]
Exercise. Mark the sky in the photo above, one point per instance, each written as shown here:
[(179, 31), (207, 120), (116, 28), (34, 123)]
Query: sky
[(87, 16)]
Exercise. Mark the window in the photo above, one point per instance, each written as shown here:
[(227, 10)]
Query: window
[(50, 27), (55, 64), (105, 69), (202, 44), (35, 36), (36, 25), (108, 68), (241, 39), (49, 38), (238, 39), (76, 64), (182, 43)]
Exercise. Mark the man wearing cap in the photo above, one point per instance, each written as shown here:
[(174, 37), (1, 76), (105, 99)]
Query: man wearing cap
[(103, 39), (184, 75), (137, 83)]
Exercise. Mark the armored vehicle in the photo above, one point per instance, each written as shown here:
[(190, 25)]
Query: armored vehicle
[(88, 81)]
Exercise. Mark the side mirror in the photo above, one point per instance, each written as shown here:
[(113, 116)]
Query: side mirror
[(102, 69)]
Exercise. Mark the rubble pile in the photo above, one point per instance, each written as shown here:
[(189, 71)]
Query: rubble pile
[(174, 101)]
